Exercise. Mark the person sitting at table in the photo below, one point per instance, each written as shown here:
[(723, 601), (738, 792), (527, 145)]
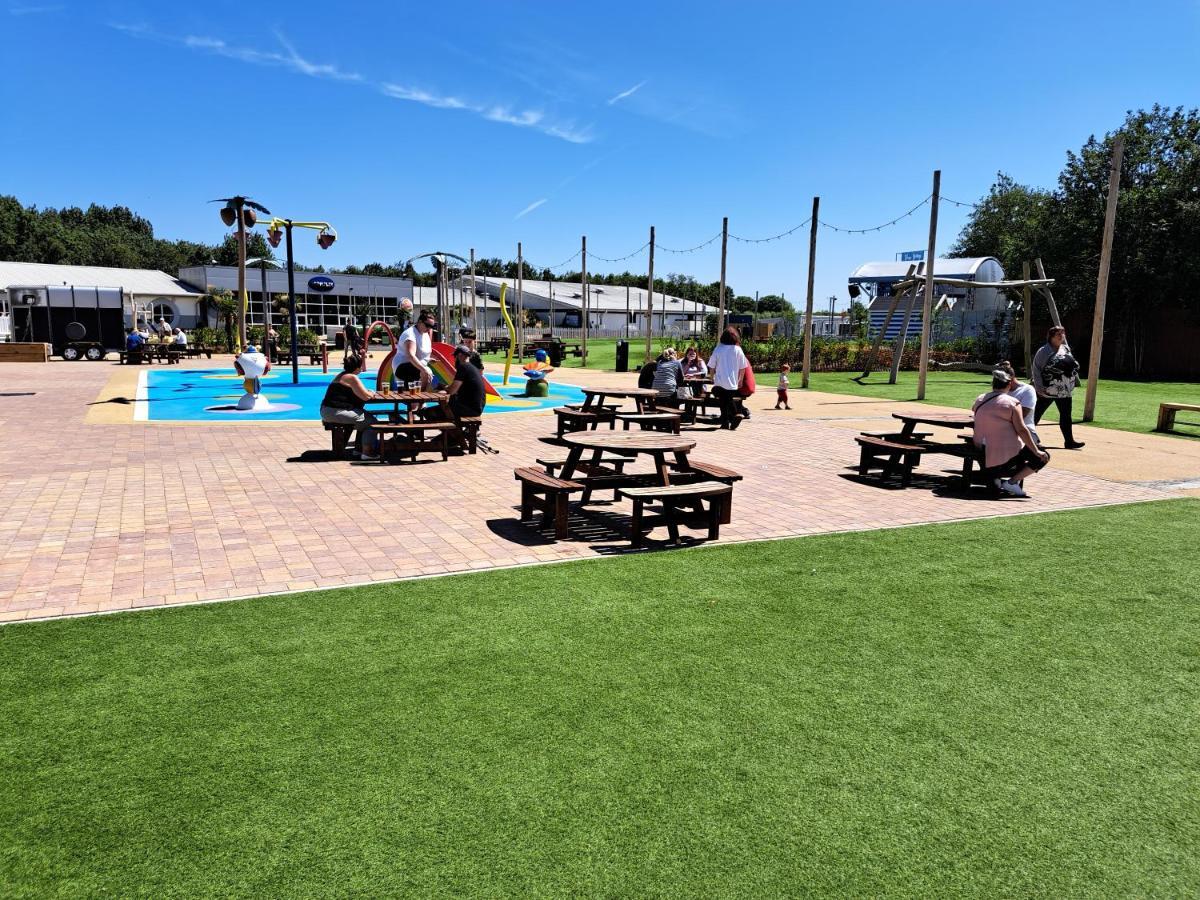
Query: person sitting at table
[(467, 394), (466, 337), (1026, 396), (693, 364), (728, 366), (134, 341), (668, 378), (343, 404), (179, 338), (1010, 453), (413, 351)]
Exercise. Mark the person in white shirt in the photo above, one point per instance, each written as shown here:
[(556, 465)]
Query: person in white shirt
[(180, 338), (1026, 396), (727, 366), (415, 348)]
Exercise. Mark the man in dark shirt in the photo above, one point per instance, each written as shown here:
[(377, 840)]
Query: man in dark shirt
[(466, 337), (467, 393)]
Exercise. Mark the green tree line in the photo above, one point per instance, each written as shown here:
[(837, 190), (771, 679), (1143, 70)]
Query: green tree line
[(1155, 263)]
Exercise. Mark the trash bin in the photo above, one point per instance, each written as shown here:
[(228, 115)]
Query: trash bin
[(622, 356), (555, 352), (339, 341)]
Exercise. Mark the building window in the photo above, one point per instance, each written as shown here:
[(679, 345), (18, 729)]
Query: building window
[(163, 309)]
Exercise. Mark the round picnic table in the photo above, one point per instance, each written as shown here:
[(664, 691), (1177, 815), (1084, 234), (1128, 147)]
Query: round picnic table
[(655, 444), (597, 396)]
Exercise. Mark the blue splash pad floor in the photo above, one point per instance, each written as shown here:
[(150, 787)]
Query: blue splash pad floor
[(188, 395)]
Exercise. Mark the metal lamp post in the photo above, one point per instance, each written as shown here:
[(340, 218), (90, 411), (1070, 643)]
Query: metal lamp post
[(326, 235)]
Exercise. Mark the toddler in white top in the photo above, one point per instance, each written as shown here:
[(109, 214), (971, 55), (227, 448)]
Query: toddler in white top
[(781, 390)]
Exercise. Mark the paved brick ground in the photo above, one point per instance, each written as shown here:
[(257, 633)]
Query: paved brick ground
[(97, 517)]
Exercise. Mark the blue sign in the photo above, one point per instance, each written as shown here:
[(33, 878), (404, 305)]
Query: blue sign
[(911, 255), (320, 283)]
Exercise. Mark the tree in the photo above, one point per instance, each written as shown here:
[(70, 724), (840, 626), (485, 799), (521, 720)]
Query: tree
[(227, 308), (859, 317), (1154, 263)]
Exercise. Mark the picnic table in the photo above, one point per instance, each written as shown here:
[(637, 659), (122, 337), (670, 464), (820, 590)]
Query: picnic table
[(411, 400), (655, 444), (596, 397), (957, 421)]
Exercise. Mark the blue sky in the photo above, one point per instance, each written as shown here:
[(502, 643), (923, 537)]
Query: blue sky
[(414, 127)]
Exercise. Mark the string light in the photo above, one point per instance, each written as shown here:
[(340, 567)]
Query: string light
[(960, 203), (620, 258), (877, 227), (774, 237), (689, 249), (567, 260)]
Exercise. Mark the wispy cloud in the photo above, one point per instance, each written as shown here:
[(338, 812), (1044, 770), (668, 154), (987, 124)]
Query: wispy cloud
[(530, 208), (34, 10), (289, 58), (628, 92)]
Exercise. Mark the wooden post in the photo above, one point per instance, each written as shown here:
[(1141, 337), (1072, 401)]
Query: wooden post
[(583, 301), (808, 299), (1110, 221), (475, 301), (1045, 292), (520, 304), (627, 312), (927, 303), (551, 283), (243, 297), (1026, 320), (650, 302), (902, 338), (721, 299), (887, 320)]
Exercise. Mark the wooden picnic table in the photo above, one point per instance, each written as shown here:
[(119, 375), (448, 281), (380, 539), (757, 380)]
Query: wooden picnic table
[(597, 396), (957, 421), (412, 400), (655, 444)]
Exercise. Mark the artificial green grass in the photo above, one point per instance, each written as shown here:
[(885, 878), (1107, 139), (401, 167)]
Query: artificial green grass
[(1003, 707), (1122, 405)]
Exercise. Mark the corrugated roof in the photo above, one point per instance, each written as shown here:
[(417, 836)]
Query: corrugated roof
[(142, 282), (603, 297), (960, 267)]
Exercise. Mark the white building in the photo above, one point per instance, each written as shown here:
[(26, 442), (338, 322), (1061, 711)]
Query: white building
[(969, 310), (611, 309)]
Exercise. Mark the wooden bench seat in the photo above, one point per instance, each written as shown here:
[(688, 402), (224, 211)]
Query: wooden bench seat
[(340, 436), (655, 421), (470, 431), (416, 442), (607, 466), (682, 504), (889, 456), (546, 494), (580, 419), (1167, 412)]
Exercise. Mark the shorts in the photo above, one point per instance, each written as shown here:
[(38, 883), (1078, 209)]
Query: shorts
[(1026, 459), (406, 373)]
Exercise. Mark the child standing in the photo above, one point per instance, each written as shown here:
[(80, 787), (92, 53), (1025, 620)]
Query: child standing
[(781, 390)]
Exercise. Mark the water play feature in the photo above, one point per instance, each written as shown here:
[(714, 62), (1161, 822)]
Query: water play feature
[(170, 394)]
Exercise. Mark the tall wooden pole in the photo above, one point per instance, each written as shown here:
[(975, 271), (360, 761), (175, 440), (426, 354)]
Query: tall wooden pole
[(475, 300), (927, 302), (1027, 321), (583, 285), (1045, 292), (550, 281), (721, 298), (626, 312), (1110, 221), (650, 302), (520, 304), (808, 300), (243, 297)]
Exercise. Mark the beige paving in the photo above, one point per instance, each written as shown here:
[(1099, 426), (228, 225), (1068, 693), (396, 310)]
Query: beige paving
[(100, 513)]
